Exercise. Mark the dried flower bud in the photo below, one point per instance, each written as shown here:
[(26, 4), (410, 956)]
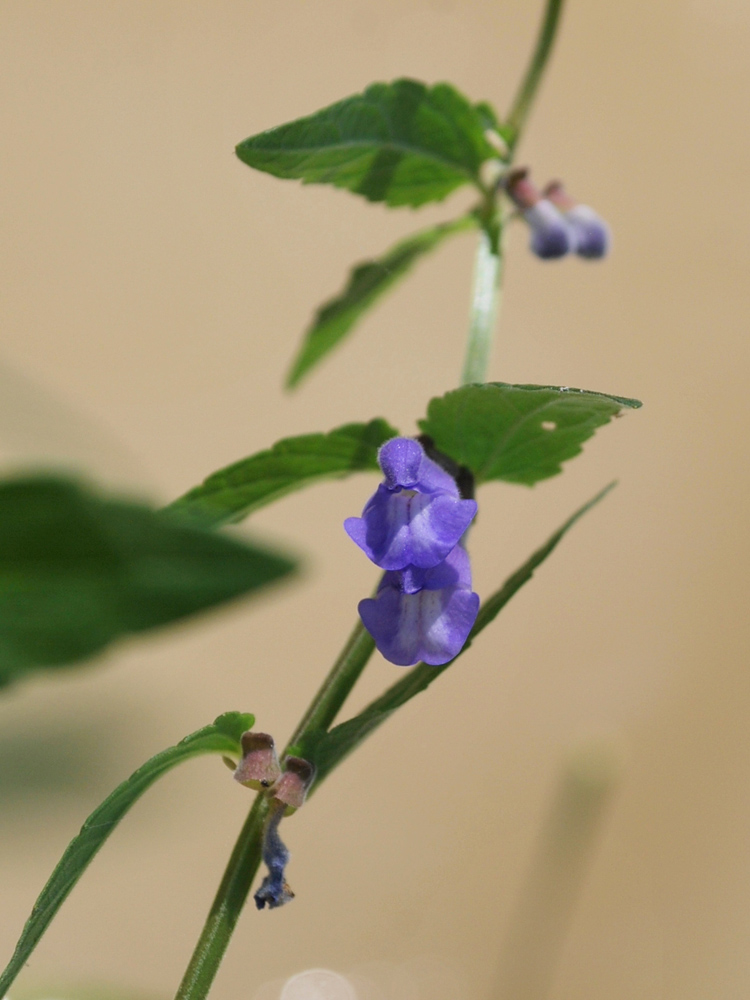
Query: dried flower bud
[(259, 767), (292, 786)]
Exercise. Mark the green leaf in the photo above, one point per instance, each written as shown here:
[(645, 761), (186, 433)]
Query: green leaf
[(222, 737), (232, 493), (329, 750), (78, 570), (367, 283), (518, 433), (402, 143)]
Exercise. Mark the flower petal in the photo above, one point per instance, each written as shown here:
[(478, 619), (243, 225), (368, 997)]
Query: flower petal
[(404, 528), (590, 232), (432, 625), (400, 459), (551, 235)]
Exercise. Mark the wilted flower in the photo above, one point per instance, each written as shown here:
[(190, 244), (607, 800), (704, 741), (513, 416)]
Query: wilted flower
[(287, 795), (274, 889), (412, 527)]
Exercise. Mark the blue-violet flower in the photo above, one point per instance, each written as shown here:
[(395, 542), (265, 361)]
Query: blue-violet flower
[(423, 614), (551, 236), (590, 232), (412, 527), (416, 517)]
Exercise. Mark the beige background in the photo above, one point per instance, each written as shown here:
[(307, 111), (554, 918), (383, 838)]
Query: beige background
[(153, 292)]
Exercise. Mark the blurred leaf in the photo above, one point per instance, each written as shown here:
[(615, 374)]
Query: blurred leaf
[(518, 433), (222, 737), (367, 283), (329, 749), (490, 121), (232, 493), (78, 570), (402, 143)]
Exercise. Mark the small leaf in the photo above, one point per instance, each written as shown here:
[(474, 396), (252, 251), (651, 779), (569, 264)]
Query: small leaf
[(330, 749), (79, 570), (232, 493), (222, 737), (402, 143), (367, 283), (518, 433)]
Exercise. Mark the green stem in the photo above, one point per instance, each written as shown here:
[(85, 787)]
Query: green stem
[(485, 300), (246, 857), (227, 906), (534, 71), (335, 689)]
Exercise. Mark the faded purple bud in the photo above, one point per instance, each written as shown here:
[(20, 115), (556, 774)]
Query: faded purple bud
[(416, 517), (259, 767), (551, 237), (423, 614), (591, 237), (274, 890), (292, 786)]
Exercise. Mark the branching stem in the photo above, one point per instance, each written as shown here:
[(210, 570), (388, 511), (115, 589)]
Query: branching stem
[(246, 856)]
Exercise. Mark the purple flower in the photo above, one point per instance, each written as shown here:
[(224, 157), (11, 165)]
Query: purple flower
[(423, 614), (416, 517), (551, 237), (412, 527), (590, 233)]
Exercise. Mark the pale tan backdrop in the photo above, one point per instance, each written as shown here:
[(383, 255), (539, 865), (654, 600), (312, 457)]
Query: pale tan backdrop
[(153, 289)]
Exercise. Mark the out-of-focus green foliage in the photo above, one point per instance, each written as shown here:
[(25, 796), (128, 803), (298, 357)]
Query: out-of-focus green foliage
[(79, 570), (403, 143)]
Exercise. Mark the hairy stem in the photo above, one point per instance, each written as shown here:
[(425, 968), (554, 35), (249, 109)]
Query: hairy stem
[(534, 71), (485, 299), (246, 857)]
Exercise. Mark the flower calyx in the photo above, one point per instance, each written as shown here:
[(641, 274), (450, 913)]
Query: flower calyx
[(286, 785)]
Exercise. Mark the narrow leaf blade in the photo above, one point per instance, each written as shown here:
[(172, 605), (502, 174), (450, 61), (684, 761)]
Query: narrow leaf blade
[(330, 749), (517, 433), (234, 492), (79, 570), (223, 736), (368, 282), (403, 143)]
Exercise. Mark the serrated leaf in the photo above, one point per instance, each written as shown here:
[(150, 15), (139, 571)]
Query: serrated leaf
[(402, 143), (327, 750), (232, 493), (518, 433), (368, 282), (79, 570), (223, 737)]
